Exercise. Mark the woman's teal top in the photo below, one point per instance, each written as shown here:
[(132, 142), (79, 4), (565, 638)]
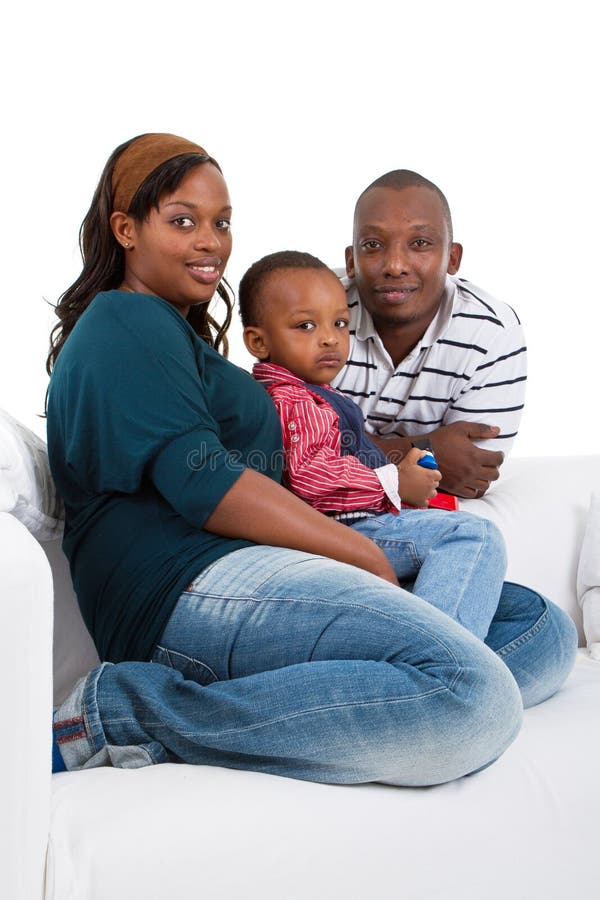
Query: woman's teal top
[(148, 428)]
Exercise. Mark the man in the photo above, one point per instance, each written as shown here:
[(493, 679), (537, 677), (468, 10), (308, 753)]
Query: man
[(434, 360)]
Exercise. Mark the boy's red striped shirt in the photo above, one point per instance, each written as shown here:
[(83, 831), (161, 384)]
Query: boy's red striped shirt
[(315, 469)]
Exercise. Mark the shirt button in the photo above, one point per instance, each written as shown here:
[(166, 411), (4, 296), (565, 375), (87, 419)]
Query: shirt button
[(292, 426), (294, 438)]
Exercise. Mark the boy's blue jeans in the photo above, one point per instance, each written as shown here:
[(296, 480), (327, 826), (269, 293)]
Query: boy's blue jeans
[(283, 662), (454, 560)]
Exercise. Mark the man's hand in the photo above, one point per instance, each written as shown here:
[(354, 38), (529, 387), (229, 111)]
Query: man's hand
[(416, 485), (467, 471)]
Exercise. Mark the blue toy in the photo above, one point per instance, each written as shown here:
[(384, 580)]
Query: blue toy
[(428, 461)]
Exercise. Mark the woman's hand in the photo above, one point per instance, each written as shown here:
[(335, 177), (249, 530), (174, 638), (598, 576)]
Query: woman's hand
[(416, 485), (258, 509)]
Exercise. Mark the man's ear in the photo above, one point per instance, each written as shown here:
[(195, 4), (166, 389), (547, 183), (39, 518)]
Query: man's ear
[(350, 262), (123, 228), (456, 252), (256, 342)]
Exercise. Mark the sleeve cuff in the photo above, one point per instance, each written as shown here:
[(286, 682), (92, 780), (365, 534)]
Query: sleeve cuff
[(388, 478)]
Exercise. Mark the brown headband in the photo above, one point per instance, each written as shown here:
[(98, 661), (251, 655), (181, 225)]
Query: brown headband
[(140, 158)]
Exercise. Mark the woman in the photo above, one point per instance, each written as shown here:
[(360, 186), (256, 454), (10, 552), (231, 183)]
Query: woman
[(270, 652)]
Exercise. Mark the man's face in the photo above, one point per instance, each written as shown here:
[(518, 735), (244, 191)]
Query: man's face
[(400, 255)]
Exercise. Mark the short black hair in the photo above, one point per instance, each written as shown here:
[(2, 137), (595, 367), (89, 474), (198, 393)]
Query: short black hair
[(403, 178), (254, 278)]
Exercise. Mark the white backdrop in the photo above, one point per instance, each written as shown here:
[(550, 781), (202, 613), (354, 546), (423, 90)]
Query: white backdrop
[(303, 105)]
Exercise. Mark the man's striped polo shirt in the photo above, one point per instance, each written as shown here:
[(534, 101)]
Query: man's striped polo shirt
[(470, 365)]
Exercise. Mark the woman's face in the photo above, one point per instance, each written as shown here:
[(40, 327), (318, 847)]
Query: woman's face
[(180, 251)]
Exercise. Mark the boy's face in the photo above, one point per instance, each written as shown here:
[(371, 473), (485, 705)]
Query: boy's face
[(304, 324), (400, 256)]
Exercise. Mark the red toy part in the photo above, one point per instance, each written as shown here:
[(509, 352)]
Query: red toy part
[(444, 501)]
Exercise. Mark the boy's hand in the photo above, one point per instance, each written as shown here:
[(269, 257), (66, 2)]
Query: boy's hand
[(416, 485)]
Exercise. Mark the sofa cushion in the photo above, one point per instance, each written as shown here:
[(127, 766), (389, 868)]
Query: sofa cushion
[(525, 827), (588, 578), (26, 487)]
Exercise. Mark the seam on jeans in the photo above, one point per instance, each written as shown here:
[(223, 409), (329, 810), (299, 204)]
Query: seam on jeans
[(190, 659), (191, 589), (155, 759), (87, 702), (405, 545), (524, 638), (260, 585), (484, 526), (297, 715), (342, 605), (88, 728)]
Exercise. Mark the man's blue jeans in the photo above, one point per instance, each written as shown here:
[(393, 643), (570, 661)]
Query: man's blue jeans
[(454, 560), (283, 662)]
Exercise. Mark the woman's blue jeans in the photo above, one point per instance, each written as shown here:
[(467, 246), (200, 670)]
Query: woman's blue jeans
[(283, 662)]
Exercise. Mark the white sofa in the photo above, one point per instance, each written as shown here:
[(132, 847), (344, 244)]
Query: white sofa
[(526, 828)]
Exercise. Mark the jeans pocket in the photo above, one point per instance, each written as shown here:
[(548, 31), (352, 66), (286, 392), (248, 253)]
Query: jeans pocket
[(190, 668)]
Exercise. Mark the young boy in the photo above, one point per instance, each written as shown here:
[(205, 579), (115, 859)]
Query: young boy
[(295, 319)]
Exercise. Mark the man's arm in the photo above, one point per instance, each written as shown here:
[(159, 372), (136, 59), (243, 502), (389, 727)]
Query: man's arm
[(495, 393), (467, 470), (488, 410)]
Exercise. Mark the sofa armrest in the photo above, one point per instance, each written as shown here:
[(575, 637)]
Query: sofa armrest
[(25, 691)]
